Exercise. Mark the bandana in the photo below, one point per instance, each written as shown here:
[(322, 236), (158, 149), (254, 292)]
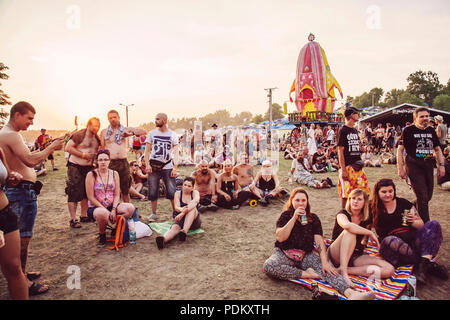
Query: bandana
[(118, 137)]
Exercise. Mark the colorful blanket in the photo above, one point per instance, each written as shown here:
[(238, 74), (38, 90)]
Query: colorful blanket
[(386, 289), (163, 227)]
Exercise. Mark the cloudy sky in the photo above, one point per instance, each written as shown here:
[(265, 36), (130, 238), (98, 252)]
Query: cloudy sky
[(192, 57)]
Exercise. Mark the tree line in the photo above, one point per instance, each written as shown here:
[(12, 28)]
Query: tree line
[(423, 89)]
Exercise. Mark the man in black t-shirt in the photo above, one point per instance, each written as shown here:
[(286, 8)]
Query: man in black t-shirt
[(422, 147), (351, 173)]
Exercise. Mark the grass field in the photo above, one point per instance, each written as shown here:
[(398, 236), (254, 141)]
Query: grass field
[(224, 262)]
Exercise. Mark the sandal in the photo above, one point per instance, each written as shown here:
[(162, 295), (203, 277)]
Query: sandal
[(85, 219), (35, 289), (33, 275), (75, 224), (182, 236)]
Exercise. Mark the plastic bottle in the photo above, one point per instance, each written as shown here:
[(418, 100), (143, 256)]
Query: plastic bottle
[(132, 230)]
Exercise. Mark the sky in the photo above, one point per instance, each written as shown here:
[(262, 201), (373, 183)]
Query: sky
[(190, 58)]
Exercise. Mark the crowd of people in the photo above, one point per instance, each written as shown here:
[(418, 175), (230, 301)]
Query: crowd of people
[(102, 180)]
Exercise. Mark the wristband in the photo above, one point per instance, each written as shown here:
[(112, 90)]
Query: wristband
[(83, 155)]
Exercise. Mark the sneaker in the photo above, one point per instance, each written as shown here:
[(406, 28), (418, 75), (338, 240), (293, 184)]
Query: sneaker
[(152, 217), (101, 240), (202, 208), (55, 169), (263, 202), (213, 207), (236, 207), (437, 270), (160, 242), (421, 271), (182, 236)]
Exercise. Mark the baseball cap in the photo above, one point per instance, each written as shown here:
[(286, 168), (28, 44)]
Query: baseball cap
[(439, 118), (350, 110)]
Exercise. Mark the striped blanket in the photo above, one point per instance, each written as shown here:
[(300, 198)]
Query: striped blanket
[(386, 289)]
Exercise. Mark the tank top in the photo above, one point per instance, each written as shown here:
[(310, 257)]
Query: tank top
[(228, 187), (3, 173), (183, 204), (266, 185), (105, 195)]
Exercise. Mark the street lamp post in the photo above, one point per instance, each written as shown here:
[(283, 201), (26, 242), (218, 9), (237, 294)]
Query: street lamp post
[(126, 107), (270, 106)]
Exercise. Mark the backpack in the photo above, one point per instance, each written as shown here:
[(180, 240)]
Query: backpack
[(122, 237)]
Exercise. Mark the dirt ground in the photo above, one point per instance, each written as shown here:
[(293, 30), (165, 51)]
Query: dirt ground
[(223, 263)]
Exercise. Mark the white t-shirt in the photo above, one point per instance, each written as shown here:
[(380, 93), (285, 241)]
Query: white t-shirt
[(298, 168), (330, 135), (162, 145)]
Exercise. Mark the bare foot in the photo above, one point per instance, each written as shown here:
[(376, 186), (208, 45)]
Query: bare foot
[(348, 281), (356, 295)]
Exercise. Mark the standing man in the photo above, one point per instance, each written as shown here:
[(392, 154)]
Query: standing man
[(22, 197), (42, 142), (351, 173), (82, 148), (330, 135), (422, 146), (161, 161), (441, 131), (113, 139)]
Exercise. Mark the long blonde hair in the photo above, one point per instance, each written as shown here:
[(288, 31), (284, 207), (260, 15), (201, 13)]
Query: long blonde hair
[(365, 211)]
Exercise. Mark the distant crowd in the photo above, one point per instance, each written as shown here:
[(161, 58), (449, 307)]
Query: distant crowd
[(101, 180)]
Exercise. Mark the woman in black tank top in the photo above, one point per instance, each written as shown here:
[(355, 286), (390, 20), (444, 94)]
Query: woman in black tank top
[(228, 193), (267, 184)]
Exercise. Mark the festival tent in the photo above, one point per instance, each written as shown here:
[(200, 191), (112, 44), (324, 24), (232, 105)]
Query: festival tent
[(401, 114)]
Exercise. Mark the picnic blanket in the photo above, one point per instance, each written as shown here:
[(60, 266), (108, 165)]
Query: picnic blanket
[(386, 289), (163, 227)]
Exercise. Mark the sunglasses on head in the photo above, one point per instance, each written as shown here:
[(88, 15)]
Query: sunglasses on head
[(106, 151)]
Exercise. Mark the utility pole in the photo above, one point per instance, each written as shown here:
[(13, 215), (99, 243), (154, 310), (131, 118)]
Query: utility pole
[(270, 107), (126, 107)]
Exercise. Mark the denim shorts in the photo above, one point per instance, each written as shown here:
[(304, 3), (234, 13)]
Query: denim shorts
[(153, 184), (24, 204)]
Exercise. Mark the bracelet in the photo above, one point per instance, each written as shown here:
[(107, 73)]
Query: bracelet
[(83, 155)]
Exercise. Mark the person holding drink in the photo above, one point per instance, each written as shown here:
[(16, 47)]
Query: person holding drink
[(415, 243), (293, 256)]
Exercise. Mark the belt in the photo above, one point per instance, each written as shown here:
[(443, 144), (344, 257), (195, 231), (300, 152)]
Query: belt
[(27, 185)]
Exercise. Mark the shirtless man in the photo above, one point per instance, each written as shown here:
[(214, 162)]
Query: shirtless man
[(22, 197), (112, 138), (82, 147), (205, 184), (244, 171)]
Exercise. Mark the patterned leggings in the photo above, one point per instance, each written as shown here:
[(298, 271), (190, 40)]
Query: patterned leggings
[(427, 241), (279, 266)]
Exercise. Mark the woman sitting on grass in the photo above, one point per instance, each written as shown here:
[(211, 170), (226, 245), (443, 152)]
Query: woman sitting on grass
[(186, 213), (293, 256), (103, 192), (351, 230), (415, 243), (137, 181), (267, 185), (227, 188)]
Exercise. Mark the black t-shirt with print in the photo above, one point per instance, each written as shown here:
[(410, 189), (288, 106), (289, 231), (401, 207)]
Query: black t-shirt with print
[(419, 144), (387, 222), (302, 236), (337, 230), (349, 139)]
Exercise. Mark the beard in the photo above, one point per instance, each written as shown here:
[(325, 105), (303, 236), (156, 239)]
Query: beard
[(204, 172)]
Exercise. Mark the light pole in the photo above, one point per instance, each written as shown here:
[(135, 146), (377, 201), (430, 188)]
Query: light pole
[(126, 107), (270, 106)]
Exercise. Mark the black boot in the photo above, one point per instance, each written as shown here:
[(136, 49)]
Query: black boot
[(422, 270)]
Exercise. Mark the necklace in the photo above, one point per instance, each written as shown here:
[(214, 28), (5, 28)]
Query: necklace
[(105, 186)]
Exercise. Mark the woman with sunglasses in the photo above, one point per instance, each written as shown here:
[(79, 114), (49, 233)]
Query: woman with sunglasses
[(103, 191), (297, 230), (413, 242)]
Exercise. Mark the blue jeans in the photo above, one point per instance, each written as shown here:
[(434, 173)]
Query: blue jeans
[(153, 184), (24, 204)]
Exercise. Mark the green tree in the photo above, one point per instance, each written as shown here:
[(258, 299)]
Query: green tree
[(368, 99), (407, 97), (258, 118), (277, 112), (3, 96), (424, 85), (442, 102), (392, 97)]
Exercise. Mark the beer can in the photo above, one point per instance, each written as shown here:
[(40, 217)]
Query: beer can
[(304, 219), (411, 286)]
